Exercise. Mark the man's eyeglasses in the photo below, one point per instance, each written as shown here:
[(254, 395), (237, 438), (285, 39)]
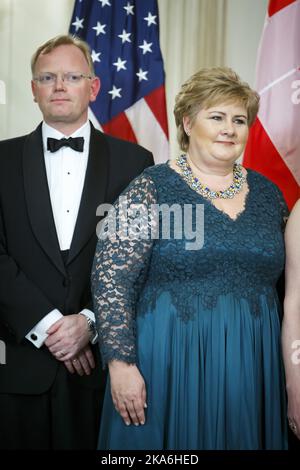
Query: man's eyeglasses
[(71, 78)]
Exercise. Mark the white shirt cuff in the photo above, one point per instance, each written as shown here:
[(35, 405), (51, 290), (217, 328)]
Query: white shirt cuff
[(88, 313), (38, 335)]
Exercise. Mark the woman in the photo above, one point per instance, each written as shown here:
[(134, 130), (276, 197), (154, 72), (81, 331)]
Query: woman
[(191, 333), (291, 322)]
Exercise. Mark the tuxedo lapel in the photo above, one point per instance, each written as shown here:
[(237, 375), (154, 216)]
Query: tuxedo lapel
[(94, 192), (38, 198)]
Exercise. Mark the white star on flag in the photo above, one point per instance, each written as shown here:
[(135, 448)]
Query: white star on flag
[(99, 28), (125, 36), (150, 19), (120, 64), (95, 56), (146, 46), (129, 9), (78, 23), (105, 2), (115, 92), (142, 74)]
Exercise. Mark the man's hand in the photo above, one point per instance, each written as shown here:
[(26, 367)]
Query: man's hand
[(83, 363), (69, 335)]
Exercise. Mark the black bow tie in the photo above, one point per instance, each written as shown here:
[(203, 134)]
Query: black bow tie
[(76, 143)]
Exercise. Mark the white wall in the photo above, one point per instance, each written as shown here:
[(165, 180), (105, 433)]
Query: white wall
[(244, 23), (25, 24)]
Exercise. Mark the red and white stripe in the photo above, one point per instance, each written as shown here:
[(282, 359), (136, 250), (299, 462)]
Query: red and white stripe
[(273, 147), (144, 123)]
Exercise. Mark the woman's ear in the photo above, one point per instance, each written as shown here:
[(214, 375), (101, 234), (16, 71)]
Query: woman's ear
[(186, 125)]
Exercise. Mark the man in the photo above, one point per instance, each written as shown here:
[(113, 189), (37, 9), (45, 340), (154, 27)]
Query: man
[(51, 385)]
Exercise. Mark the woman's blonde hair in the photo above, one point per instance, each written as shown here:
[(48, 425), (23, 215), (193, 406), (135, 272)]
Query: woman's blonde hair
[(206, 88), (63, 40)]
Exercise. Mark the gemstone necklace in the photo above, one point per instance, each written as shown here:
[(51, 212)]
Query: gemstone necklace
[(228, 193)]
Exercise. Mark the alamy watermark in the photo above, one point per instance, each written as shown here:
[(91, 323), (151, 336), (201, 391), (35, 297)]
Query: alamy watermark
[(296, 94), (2, 92), (295, 357), (142, 222), (2, 352)]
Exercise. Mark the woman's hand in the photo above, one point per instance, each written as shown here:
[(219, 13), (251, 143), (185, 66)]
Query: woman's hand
[(293, 391), (128, 392)]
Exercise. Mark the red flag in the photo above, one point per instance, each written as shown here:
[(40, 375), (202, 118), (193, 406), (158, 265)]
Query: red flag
[(273, 148)]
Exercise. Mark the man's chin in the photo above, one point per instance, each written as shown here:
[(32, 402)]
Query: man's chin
[(62, 118)]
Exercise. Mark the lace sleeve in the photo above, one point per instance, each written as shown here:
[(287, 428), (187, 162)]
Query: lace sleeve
[(284, 211), (120, 266)]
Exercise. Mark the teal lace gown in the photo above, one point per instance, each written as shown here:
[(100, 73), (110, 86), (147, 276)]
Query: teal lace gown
[(203, 326)]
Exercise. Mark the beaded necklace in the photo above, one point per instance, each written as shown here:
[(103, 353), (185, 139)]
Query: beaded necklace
[(228, 193)]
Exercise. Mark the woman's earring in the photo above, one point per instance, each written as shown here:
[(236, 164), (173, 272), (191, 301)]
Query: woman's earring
[(188, 132)]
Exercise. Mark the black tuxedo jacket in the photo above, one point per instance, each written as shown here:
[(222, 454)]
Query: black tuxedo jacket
[(33, 277)]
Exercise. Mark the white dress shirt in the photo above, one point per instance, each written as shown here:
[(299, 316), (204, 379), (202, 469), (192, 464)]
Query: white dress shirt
[(66, 171)]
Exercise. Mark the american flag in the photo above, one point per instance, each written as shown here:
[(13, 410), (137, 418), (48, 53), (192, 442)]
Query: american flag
[(124, 39)]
